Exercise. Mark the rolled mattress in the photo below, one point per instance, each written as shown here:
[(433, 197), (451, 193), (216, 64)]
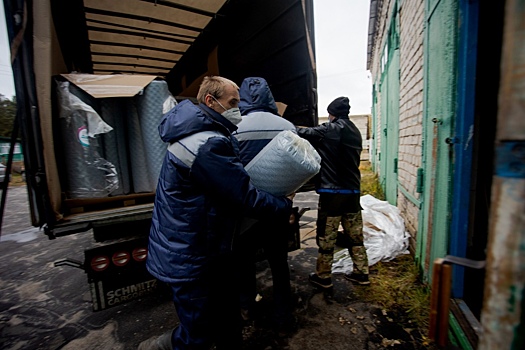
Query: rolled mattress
[(113, 111), (140, 171), (88, 174), (150, 110), (284, 164)]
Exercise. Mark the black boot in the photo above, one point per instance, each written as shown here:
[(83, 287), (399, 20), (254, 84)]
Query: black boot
[(320, 282)]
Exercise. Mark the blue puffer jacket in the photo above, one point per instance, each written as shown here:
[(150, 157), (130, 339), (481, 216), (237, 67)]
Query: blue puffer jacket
[(256, 97), (202, 190), (260, 122)]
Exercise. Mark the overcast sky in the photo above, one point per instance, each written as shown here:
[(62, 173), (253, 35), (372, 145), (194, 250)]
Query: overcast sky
[(341, 28), (341, 31), (7, 87)]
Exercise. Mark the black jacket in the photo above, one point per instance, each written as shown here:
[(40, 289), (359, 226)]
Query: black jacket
[(339, 144)]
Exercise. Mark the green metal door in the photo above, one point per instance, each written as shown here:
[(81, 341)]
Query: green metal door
[(438, 119), (392, 127), (390, 114)]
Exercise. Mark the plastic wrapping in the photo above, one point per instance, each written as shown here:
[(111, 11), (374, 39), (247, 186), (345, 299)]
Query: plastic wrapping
[(384, 232), (88, 174), (284, 165)]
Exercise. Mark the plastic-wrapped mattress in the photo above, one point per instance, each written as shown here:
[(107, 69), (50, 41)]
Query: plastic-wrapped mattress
[(88, 174), (140, 173), (284, 164), (150, 110), (113, 111)]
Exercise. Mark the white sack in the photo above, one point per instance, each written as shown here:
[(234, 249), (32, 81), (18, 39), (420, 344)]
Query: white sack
[(284, 165), (384, 235)]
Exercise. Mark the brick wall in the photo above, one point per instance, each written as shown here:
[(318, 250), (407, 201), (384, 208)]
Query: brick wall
[(411, 34), (411, 18)]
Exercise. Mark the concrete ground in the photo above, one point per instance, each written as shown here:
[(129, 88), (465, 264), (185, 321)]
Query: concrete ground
[(46, 307)]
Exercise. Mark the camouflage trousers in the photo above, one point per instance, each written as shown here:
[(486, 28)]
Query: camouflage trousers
[(352, 239)]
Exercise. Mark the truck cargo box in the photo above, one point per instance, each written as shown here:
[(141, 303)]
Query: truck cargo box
[(177, 42)]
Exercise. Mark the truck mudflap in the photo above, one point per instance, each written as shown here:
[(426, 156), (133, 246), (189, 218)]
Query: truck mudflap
[(116, 272), (107, 293)]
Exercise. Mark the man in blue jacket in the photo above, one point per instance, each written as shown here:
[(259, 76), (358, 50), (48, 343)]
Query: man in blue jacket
[(202, 191), (260, 124), (338, 183)]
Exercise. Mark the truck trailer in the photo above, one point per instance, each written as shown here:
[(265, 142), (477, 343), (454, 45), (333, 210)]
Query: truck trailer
[(137, 45)]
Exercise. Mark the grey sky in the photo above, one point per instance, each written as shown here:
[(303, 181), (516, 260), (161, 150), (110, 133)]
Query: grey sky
[(7, 87), (341, 28)]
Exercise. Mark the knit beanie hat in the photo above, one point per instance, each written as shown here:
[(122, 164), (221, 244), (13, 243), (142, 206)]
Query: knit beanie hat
[(340, 107)]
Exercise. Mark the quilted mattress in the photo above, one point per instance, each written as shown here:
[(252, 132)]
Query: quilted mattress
[(150, 110), (284, 165)]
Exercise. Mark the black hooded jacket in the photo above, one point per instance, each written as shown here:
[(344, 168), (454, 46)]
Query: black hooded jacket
[(339, 144)]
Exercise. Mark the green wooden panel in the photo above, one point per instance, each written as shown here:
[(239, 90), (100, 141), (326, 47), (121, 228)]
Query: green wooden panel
[(438, 119)]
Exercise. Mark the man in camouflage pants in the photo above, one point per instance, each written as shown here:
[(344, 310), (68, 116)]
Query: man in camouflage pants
[(338, 184), (329, 217)]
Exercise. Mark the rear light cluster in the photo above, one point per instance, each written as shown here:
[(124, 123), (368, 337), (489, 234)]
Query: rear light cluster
[(121, 258)]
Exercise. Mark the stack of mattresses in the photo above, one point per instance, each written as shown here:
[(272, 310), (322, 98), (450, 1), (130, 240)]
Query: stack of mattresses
[(284, 165), (126, 155)]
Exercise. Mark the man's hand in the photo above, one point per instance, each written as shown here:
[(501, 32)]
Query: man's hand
[(291, 220)]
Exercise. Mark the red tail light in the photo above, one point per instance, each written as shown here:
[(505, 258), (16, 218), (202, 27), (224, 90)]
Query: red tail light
[(99, 263), (120, 258), (140, 254)]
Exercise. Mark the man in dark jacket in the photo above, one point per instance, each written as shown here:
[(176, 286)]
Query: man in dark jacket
[(259, 125), (202, 191), (339, 144)]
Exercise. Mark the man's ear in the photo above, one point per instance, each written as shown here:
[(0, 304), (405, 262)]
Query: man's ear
[(208, 99)]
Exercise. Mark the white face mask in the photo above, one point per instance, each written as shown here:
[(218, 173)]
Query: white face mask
[(232, 114)]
